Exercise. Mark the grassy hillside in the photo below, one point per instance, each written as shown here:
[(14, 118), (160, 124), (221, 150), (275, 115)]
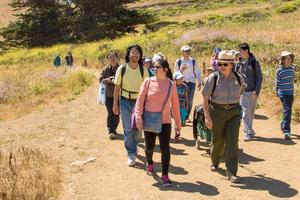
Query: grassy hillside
[(269, 27)]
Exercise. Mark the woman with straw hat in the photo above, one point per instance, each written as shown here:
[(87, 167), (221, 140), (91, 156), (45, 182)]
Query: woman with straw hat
[(221, 96)]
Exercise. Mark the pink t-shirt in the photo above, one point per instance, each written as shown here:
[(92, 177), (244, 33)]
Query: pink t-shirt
[(156, 95)]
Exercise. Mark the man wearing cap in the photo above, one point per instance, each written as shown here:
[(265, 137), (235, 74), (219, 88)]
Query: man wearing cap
[(190, 70), (249, 68), (221, 96)]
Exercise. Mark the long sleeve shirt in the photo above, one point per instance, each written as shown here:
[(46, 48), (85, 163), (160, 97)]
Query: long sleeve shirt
[(285, 77), (151, 99)]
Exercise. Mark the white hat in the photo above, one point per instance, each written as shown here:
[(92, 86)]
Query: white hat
[(156, 57), (147, 60), (286, 53), (185, 48), (177, 75)]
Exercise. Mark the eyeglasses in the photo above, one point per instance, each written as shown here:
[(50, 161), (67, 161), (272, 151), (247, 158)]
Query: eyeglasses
[(223, 64)]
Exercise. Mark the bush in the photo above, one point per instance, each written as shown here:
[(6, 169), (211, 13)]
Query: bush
[(29, 174), (77, 81), (286, 8), (214, 19), (250, 16)]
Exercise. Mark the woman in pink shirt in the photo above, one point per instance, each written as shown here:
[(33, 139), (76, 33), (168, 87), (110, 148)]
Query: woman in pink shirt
[(151, 98)]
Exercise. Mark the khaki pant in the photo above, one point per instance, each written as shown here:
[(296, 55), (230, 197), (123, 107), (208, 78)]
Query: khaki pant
[(226, 124)]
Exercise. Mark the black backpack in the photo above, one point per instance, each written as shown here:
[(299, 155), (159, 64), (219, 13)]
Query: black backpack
[(123, 70)]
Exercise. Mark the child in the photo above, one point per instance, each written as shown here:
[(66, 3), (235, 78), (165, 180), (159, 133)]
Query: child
[(285, 90), (182, 91), (214, 58)]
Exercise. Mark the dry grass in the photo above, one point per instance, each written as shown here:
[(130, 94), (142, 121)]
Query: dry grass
[(28, 174)]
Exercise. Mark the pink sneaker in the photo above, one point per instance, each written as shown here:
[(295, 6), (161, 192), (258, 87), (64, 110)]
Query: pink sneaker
[(150, 169), (166, 181)]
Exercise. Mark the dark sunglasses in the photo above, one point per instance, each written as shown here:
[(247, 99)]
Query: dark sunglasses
[(223, 64)]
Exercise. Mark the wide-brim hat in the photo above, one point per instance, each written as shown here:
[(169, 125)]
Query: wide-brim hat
[(286, 53), (185, 48), (225, 57)]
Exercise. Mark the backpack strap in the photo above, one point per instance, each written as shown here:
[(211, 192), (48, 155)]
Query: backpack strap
[(237, 77), (179, 64), (216, 76), (194, 63)]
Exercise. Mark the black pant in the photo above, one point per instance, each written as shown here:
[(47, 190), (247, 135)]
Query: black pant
[(112, 119), (164, 142)]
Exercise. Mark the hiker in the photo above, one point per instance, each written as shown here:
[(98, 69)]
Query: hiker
[(158, 94), (249, 68), (182, 91), (148, 65), (128, 80), (214, 57), (107, 77), (69, 59), (57, 61), (190, 70), (285, 76), (222, 111)]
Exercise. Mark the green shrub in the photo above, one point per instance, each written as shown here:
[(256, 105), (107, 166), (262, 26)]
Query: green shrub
[(214, 19), (250, 16), (286, 8)]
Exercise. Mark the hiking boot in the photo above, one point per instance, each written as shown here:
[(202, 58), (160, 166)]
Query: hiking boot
[(166, 181), (232, 178), (197, 145), (286, 136), (112, 136), (150, 169), (188, 121), (214, 168), (131, 161)]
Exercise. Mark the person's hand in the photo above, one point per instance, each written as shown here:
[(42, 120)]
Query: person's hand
[(184, 67), (199, 86), (116, 109), (178, 130), (108, 80), (139, 126), (208, 123)]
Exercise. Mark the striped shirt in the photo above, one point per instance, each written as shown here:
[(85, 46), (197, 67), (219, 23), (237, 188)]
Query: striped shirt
[(285, 80)]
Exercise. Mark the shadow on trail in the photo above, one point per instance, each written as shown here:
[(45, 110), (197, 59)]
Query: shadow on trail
[(198, 187), (275, 187), (245, 158), (157, 167), (274, 140), (173, 151)]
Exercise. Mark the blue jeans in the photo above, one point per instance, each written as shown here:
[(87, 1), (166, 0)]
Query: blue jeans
[(131, 137), (287, 103), (192, 87)]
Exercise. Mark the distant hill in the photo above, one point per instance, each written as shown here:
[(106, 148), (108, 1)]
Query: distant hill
[(5, 13)]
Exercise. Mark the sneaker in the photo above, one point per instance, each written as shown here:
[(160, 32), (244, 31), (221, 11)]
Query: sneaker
[(131, 161), (214, 168), (166, 181), (247, 138), (232, 178), (150, 169), (112, 136), (197, 145), (287, 136)]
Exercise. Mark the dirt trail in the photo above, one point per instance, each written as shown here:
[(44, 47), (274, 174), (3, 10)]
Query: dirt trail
[(75, 130)]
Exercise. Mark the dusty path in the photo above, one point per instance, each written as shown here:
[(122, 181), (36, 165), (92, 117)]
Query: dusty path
[(76, 130)]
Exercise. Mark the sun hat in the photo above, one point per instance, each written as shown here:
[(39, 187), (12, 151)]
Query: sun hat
[(185, 48), (177, 75), (225, 57), (286, 53), (235, 52), (147, 60)]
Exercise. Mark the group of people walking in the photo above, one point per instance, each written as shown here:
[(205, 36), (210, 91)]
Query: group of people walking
[(147, 95)]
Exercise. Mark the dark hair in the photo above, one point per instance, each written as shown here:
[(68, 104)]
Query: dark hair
[(140, 50), (110, 52), (164, 63), (244, 46), (282, 58)]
